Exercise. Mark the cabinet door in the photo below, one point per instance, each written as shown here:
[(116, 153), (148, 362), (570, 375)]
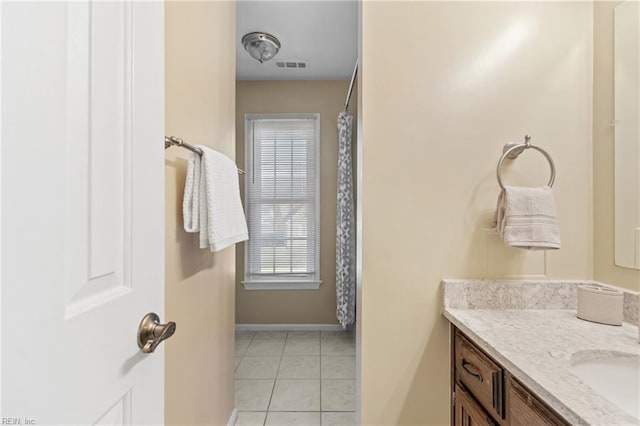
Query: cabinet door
[(468, 412), (526, 410)]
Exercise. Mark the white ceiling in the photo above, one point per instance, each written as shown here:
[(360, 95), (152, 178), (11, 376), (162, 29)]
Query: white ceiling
[(322, 33)]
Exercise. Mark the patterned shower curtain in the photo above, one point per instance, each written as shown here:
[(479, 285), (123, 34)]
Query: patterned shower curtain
[(345, 235)]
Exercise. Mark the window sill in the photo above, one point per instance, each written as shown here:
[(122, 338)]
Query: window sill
[(281, 285)]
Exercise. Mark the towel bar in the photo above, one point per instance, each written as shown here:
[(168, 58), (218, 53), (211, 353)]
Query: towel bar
[(170, 141), (512, 151)]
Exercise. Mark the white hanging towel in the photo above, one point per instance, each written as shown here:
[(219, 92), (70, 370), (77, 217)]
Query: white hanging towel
[(526, 218), (211, 203)]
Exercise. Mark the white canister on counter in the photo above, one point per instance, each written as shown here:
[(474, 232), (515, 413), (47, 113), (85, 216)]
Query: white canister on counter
[(600, 304)]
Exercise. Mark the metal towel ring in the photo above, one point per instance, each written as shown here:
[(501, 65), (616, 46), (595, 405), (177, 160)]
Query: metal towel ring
[(516, 149)]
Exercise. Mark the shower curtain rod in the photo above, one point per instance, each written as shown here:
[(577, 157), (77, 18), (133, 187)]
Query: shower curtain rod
[(353, 79)]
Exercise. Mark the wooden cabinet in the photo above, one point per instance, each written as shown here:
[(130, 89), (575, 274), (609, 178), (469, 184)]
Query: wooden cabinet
[(486, 394), (526, 410), (468, 412), (480, 375)]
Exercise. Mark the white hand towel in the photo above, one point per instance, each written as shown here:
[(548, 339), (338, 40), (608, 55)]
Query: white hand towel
[(211, 203), (526, 218)]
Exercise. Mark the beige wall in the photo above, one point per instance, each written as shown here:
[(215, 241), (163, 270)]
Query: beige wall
[(444, 86), (200, 107), (326, 98), (603, 154)]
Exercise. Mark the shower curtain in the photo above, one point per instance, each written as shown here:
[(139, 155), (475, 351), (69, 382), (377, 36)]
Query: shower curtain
[(345, 226)]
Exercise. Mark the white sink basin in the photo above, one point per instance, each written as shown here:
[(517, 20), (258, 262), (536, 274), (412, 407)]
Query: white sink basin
[(615, 376)]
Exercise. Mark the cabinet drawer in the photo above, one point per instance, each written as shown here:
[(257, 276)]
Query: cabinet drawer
[(483, 377)]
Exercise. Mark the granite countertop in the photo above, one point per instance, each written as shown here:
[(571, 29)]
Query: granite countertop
[(537, 345)]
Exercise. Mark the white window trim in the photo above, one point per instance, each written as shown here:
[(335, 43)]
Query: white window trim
[(315, 283)]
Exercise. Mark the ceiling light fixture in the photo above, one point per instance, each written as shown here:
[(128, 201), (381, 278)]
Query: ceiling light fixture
[(261, 46)]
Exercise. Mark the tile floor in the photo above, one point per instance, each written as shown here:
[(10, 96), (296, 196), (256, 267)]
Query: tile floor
[(296, 378)]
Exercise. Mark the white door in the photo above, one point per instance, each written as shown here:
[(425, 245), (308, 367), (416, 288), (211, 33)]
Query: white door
[(82, 189)]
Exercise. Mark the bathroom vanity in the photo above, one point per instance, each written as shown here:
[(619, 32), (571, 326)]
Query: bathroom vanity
[(520, 356), (485, 393)]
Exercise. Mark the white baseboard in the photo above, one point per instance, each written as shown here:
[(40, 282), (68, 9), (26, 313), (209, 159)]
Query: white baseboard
[(234, 418), (288, 327)]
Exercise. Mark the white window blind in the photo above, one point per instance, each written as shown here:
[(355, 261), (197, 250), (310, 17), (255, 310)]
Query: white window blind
[(282, 201)]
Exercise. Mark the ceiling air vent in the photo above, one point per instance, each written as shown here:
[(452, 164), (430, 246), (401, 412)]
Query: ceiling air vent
[(291, 64)]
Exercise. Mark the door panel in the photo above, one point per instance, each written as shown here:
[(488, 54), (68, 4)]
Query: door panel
[(118, 414), (98, 200), (82, 211)]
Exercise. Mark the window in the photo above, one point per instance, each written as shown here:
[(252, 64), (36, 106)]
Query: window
[(282, 198)]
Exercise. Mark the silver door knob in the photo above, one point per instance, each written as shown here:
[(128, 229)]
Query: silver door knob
[(151, 333)]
